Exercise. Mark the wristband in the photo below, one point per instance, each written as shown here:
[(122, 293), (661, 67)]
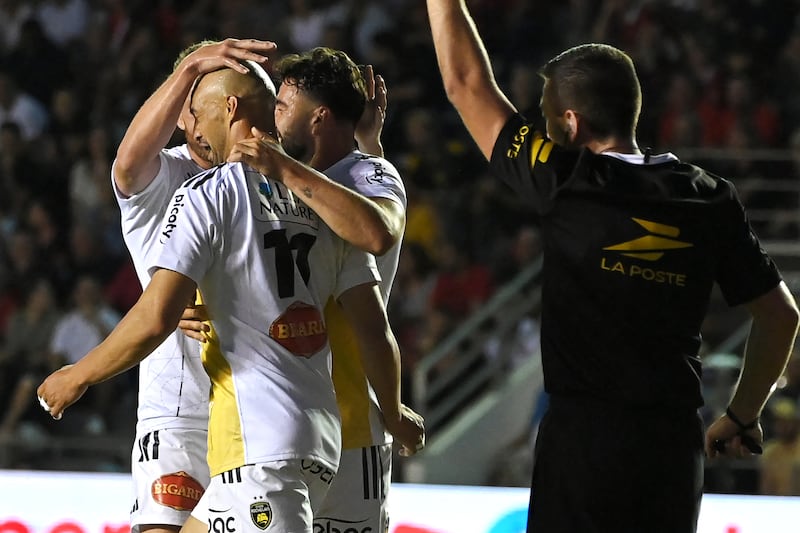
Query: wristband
[(742, 426), (748, 441)]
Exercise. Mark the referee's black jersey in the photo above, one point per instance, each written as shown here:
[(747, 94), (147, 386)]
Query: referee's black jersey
[(631, 252)]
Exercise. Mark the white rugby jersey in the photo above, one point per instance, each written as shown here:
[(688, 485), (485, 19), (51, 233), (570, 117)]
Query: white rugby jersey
[(173, 387), (266, 265), (362, 426)]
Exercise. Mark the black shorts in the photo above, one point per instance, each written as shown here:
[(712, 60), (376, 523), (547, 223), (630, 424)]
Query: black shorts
[(605, 468)]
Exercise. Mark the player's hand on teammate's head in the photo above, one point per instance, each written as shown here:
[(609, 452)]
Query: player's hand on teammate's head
[(262, 151), (408, 430), (228, 54), (59, 390), (194, 322), (370, 125)]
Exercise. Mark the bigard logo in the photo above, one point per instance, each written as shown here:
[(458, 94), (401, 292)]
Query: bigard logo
[(300, 329), (178, 490)]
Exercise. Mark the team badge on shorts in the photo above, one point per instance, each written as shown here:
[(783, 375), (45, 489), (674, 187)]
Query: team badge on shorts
[(261, 513)]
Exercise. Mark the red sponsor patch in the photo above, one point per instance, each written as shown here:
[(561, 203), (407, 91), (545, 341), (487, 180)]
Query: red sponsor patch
[(178, 490), (300, 329)]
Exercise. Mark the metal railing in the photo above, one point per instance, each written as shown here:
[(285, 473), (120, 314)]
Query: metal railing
[(439, 394)]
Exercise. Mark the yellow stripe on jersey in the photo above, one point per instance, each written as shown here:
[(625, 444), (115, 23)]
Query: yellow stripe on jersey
[(540, 149), (348, 379), (545, 153), (535, 147), (225, 442)]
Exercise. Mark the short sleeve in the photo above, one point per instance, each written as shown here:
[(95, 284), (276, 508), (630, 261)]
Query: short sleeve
[(186, 235), (745, 271), (530, 163), (358, 268)]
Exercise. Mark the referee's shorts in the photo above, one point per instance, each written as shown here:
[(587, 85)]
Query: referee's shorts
[(602, 467)]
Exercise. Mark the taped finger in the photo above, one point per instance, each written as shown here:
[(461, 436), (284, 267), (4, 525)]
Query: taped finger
[(44, 405)]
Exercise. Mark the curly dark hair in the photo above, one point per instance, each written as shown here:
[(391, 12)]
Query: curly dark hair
[(329, 77)]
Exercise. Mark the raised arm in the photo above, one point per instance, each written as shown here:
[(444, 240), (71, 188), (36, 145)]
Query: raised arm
[(154, 316), (137, 161), (467, 74), (380, 357), (769, 345)]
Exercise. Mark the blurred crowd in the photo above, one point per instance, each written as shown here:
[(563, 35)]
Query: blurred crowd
[(716, 74)]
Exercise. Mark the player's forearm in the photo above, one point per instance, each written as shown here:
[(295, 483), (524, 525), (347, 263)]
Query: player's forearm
[(154, 316), (137, 334), (358, 220), (378, 350), (150, 131), (381, 362)]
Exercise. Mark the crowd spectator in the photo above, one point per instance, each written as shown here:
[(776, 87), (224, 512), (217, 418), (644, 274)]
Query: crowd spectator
[(13, 14), (780, 463), (20, 107), (63, 20), (79, 330), (25, 357)]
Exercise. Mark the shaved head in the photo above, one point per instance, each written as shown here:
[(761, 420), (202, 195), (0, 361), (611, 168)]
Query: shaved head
[(226, 104), (256, 83)]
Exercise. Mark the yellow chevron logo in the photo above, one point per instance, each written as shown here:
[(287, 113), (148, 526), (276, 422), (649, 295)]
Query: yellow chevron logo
[(653, 246)]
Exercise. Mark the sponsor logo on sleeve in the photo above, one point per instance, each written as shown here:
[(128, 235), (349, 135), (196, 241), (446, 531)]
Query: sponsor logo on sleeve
[(377, 173), (517, 141), (172, 217)]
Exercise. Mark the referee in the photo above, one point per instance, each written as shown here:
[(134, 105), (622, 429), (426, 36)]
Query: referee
[(633, 244)]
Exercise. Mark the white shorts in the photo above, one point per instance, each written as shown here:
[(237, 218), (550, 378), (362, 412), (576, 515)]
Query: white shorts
[(170, 474), (275, 496), (356, 501)]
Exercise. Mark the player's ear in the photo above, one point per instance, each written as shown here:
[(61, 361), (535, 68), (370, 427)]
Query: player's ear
[(318, 118), (321, 114), (231, 105), (572, 122)]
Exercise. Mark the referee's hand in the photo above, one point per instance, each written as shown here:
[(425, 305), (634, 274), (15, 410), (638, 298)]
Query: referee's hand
[(725, 438)]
